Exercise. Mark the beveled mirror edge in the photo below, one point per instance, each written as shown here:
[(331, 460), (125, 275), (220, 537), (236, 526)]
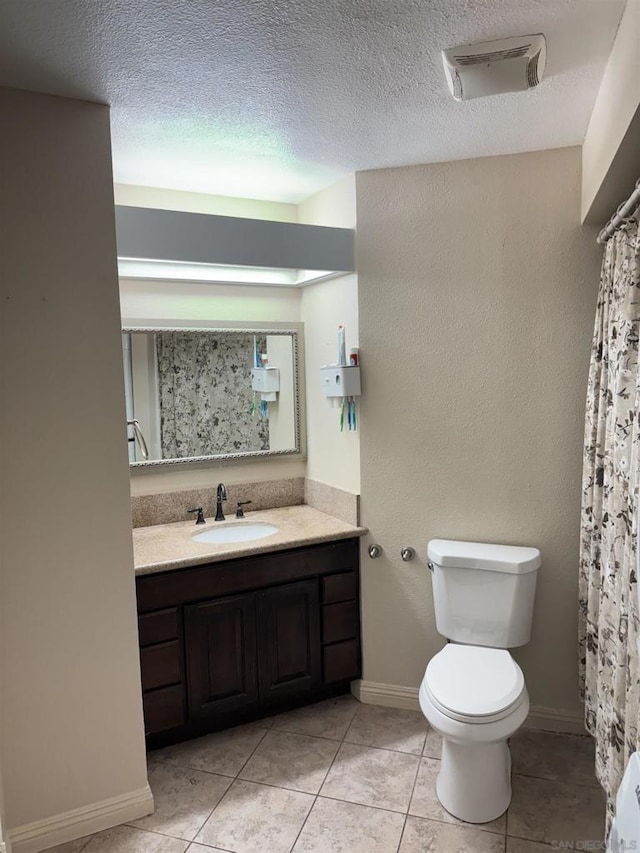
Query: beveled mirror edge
[(272, 328)]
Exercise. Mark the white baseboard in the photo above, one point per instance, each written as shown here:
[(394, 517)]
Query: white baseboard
[(86, 820), (397, 696), (388, 695)]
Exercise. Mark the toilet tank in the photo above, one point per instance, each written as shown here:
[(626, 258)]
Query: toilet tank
[(483, 594)]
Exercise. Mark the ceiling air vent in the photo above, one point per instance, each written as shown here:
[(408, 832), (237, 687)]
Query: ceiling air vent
[(495, 67)]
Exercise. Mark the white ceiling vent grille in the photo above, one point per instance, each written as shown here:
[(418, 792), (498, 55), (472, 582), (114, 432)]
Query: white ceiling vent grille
[(495, 67)]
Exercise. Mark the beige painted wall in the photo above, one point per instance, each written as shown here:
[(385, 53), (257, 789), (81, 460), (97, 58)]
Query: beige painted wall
[(477, 298), (611, 149), (332, 457), (164, 199), (180, 300), (334, 206), (72, 730)]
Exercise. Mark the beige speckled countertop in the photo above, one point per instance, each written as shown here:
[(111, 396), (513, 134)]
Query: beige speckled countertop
[(170, 546)]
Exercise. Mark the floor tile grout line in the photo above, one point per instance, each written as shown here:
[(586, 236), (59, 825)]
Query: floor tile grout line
[(286, 787), (355, 714), (304, 823), (353, 743), (253, 752), (404, 826), (148, 830), (231, 782), (557, 781), (506, 814), (366, 805), (458, 822), (196, 769), (315, 799), (550, 845), (413, 788), (202, 826)]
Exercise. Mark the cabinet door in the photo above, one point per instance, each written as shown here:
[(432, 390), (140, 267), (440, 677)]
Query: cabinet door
[(220, 641), (288, 639)]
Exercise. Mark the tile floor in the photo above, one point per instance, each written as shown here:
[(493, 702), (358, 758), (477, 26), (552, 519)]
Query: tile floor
[(340, 777)]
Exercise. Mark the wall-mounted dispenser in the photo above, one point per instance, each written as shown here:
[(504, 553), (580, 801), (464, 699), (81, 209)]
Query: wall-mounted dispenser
[(266, 381), (341, 385), (340, 381)]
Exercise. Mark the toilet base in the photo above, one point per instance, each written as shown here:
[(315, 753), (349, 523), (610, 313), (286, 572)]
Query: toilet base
[(474, 783)]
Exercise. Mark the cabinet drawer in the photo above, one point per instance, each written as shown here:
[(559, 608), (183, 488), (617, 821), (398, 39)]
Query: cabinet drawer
[(163, 709), (342, 587), (341, 661), (158, 626), (232, 577), (160, 665), (340, 621)]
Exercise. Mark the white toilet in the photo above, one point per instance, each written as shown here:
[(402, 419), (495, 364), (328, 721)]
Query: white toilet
[(473, 692)]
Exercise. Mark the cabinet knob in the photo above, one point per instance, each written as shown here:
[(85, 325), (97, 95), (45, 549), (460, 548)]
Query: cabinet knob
[(407, 554), (375, 551)]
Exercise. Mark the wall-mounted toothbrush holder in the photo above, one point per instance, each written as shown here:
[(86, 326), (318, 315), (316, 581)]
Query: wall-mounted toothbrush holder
[(266, 381), (338, 381)]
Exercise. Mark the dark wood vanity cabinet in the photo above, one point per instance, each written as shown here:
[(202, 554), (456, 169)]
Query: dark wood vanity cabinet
[(221, 644), (289, 657), (235, 640)]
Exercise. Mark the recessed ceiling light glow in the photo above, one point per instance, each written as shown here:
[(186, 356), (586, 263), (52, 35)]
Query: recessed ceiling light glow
[(219, 274)]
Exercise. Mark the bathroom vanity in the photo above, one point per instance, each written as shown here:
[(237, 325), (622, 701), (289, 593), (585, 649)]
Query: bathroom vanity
[(233, 633)]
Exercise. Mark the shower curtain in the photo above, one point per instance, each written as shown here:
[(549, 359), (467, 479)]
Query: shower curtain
[(204, 382), (609, 629)]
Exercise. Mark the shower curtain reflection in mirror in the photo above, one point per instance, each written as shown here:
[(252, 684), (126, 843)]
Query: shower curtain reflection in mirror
[(191, 393)]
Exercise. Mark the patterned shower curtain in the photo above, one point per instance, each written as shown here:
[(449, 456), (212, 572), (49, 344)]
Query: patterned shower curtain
[(609, 632), (205, 394)]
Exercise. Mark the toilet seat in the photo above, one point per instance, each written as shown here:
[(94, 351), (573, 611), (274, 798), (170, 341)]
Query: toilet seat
[(474, 684)]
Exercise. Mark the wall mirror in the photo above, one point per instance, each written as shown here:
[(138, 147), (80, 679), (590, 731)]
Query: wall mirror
[(198, 394)]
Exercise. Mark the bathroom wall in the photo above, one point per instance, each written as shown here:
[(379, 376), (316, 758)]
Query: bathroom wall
[(332, 457), (477, 298), (166, 199), (611, 149), (71, 736)]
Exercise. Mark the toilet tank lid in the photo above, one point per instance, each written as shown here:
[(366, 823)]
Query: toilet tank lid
[(512, 559)]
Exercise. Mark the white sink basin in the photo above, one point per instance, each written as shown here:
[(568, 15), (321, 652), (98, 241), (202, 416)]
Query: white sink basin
[(242, 532)]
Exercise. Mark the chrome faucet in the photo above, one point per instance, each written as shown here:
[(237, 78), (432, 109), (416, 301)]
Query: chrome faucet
[(221, 496)]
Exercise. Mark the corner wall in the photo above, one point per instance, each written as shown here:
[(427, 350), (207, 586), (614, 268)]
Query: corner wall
[(72, 736), (477, 300), (611, 148), (332, 457)]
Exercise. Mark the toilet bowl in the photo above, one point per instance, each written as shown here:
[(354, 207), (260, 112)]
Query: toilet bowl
[(476, 698)]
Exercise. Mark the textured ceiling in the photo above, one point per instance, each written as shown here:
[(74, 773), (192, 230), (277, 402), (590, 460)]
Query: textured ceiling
[(275, 99)]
